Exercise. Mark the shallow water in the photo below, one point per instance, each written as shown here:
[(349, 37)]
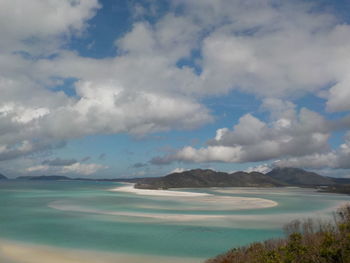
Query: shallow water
[(87, 215)]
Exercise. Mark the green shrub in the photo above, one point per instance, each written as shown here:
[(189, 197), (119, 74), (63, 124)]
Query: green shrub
[(305, 242)]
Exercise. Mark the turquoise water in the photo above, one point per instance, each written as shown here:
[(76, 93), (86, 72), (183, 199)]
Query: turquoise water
[(87, 215)]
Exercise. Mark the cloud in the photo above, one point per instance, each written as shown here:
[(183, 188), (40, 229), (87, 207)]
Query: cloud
[(339, 158), (75, 168), (162, 71), (177, 170), (290, 133), (139, 165), (84, 169), (35, 26), (272, 49), (102, 156), (101, 108), (38, 168), (26, 147), (85, 159), (59, 162), (262, 168), (339, 96)]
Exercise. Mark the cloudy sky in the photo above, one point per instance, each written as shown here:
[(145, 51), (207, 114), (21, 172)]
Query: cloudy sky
[(123, 88)]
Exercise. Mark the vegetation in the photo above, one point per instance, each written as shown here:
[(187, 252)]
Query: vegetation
[(340, 189), (299, 177), (306, 242), (208, 178)]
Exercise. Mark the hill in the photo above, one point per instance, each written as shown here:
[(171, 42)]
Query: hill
[(3, 177), (208, 178), (61, 177), (201, 178), (299, 177), (44, 178)]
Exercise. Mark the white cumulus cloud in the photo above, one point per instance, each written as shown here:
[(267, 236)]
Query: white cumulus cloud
[(292, 133)]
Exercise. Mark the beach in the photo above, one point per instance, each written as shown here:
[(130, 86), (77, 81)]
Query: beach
[(202, 199), (18, 252), (129, 188)]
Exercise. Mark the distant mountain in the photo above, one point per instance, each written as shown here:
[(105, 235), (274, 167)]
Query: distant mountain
[(340, 180), (60, 177), (3, 177), (44, 178), (208, 178), (299, 177), (200, 178)]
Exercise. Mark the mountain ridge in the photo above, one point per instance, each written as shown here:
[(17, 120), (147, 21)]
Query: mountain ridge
[(299, 177), (209, 178), (203, 178), (44, 177)]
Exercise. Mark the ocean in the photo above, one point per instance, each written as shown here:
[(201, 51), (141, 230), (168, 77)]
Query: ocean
[(186, 224)]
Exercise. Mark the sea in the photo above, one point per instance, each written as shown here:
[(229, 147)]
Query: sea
[(187, 223)]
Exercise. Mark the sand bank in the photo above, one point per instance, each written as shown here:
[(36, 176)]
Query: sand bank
[(130, 189), (16, 252), (209, 201)]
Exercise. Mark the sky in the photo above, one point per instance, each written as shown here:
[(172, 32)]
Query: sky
[(137, 88)]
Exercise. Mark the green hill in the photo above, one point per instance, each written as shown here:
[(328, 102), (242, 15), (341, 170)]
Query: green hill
[(299, 177), (208, 178)]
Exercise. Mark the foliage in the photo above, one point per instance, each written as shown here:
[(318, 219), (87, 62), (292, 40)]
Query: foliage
[(309, 241)]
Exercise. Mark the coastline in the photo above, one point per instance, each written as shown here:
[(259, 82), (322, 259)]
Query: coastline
[(231, 202), (20, 252), (16, 252), (129, 188)]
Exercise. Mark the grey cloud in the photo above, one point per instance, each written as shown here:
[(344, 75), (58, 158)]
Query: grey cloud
[(162, 160), (339, 158), (85, 159), (59, 162), (24, 27), (102, 156), (26, 147), (139, 165)]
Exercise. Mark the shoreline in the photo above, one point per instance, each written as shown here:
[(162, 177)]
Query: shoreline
[(22, 252), (232, 202), (129, 188)]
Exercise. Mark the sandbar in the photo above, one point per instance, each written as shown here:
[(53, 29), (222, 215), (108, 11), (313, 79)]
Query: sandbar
[(130, 189)]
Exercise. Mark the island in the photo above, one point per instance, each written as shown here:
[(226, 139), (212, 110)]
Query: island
[(199, 178), (204, 178), (44, 178)]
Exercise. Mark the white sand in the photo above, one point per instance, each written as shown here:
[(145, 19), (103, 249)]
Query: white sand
[(130, 189), (209, 201), (16, 252), (188, 200)]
